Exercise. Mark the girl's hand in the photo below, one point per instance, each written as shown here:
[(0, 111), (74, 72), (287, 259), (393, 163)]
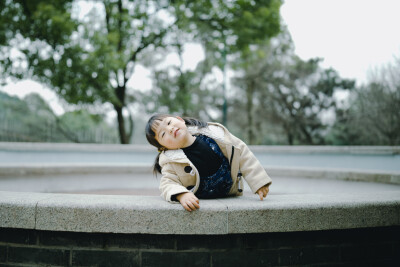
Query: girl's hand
[(189, 201), (263, 191)]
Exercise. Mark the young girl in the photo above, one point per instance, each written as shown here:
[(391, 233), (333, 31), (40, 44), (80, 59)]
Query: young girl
[(200, 160)]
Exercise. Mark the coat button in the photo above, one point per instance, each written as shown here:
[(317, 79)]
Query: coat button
[(188, 169)]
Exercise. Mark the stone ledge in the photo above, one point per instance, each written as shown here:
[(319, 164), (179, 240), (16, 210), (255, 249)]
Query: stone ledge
[(17, 169), (64, 147), (365, 150), (375, 176), (152, 215), (27, 146)]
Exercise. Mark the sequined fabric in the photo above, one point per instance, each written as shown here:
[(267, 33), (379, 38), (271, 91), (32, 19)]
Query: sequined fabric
[(220, 183)]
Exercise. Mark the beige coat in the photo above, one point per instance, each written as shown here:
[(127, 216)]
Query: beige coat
[(175, 180)]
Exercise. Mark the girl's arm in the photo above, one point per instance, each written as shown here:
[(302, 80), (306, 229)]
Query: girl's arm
[(252, 170), (170, 185)]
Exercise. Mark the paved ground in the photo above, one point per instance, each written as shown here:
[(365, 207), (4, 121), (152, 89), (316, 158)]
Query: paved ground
[(128, 184)]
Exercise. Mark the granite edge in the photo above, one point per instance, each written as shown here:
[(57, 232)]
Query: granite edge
[(152, 215)]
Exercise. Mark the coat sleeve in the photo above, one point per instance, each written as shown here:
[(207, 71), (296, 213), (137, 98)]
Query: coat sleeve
[(169, 184), (250, 167)]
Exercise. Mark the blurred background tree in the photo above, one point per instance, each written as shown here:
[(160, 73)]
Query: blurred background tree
[(88, 60), (274, 96), (176, 90), (285, 92), (223, 28), (373, 113), (32, 120), (91, 60)]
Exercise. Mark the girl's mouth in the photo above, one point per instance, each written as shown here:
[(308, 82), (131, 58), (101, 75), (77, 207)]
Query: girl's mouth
[(176, 132)]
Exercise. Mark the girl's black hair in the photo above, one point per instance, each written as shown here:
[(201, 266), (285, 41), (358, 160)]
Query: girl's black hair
[(153, 122)]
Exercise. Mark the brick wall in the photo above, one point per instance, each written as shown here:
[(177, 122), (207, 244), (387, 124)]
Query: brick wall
[(356, 247)]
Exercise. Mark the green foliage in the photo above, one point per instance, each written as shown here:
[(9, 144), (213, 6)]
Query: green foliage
[(24, 120), (85, 61), (373, 114), (38, 20), (32, 120), (287, 92), (84, 127), (184, 94), (233, 24), (90, 60)]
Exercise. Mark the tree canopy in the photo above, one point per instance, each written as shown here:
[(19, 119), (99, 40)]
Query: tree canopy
[(31, 120), (91, 59), (275, 96), (372, 116), (286, 92)]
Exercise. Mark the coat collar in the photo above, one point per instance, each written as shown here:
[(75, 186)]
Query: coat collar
[(213, 130)]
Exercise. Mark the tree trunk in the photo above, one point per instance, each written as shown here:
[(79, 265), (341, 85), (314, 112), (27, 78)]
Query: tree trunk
[(121, 126), (290, 138), (308, 137), (249, 109), (289, 134), (120, 92)]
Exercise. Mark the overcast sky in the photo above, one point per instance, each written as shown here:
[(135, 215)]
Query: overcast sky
[(352, 36)]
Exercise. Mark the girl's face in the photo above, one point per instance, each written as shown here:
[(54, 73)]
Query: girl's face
[(172, 133)]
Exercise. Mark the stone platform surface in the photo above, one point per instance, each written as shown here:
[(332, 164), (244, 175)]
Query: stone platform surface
[(152, 215)]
